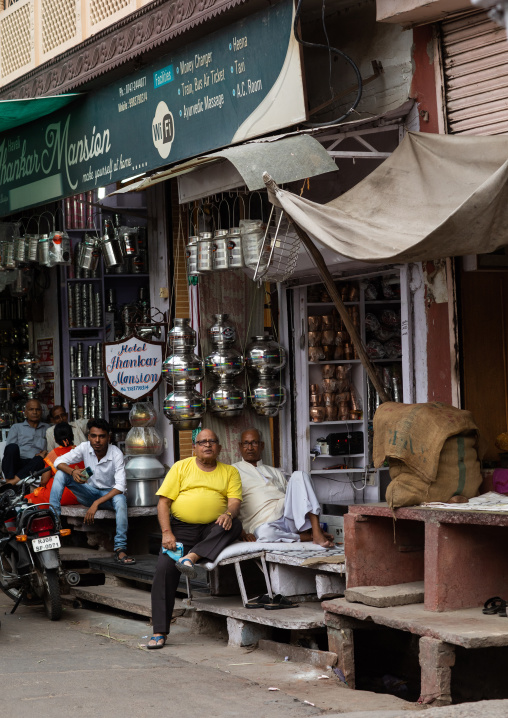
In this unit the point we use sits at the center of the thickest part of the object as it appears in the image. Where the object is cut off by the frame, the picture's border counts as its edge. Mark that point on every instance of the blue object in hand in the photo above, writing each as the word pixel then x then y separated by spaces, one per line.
pixel 175 555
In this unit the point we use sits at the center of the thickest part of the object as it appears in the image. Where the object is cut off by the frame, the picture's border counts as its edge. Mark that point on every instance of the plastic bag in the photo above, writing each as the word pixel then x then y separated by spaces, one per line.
pixel 143 414
pixel 375 349
pixel 371 322
pixel 59 249
pixel 252 234
pixel 390 318
pixel 143 440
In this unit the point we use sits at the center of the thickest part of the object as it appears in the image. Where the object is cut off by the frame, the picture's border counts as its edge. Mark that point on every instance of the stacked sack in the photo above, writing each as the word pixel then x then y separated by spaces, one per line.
pixel 431 450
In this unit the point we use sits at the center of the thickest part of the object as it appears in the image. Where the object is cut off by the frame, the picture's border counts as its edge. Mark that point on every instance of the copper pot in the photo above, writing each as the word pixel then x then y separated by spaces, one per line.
pixel 315 399
pixel 355 414
pixel 328 336
pixel 329 384
pixel 339 352
pixel 343 397
pixel 317 413
pixel 329 371
pixel 328 398
pixel 314 323
pixel 331 413
pixel 327 321
pixel 348 351
pixel 328 351
pixel 343 411
pixel 314 388
pixel 341 337
pixel 314 339
pixel 354 293
pixel 316 354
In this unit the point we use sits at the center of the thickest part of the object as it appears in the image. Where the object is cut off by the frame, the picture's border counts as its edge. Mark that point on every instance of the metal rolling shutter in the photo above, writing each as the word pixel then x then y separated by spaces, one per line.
pixel 475 59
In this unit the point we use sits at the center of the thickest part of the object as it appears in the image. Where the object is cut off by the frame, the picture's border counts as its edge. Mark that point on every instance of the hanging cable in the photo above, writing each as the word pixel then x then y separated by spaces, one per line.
pixel 330 50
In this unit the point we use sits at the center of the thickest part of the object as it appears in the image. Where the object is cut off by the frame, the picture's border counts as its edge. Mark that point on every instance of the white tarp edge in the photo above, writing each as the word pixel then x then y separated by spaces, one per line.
pixel 436 196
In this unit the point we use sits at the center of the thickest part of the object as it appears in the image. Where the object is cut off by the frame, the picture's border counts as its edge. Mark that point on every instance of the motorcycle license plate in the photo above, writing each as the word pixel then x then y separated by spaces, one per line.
pixel 43 544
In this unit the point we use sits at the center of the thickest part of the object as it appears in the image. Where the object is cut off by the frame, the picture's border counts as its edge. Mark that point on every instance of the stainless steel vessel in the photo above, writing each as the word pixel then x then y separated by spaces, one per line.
pixel 144 467
pixel 192 257
pixel 205 252
pixel 182 335
pixel 226 400
pixel 265 356
pixel 183 365
pixel 224 362
pixel 267 396
pixel 142 492
pixel 234 247
pixel 184 406
pixel 222 331
pixel 220 250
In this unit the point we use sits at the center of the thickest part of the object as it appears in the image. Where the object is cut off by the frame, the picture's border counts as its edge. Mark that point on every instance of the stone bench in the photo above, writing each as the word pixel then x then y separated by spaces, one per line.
pixel 100 533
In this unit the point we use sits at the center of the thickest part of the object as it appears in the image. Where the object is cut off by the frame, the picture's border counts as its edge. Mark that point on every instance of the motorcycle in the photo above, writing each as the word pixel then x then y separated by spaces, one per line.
pixel 30 566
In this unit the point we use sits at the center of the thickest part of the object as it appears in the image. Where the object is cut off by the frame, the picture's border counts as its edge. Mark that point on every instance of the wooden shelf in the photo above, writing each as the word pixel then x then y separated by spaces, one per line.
pixel 339 456
pixel 337 471
pixel 335 423
pixel 90 279
pixel 334 361
pixel 382 301
pixel 125 276
pixel 331 304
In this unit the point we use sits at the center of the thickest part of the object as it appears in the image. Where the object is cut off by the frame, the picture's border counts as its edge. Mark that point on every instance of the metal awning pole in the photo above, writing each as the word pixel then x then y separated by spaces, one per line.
pixel 336 299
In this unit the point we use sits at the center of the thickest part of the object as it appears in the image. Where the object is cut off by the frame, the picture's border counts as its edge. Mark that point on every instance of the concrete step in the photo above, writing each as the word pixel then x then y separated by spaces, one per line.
pixel 400 594
pixel 304 617
pixel 132 600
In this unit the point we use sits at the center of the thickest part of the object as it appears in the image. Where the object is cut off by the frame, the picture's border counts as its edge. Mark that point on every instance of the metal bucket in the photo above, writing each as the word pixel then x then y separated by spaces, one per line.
pixel 205 252
pixel 33 244
pixel 89 256
pixel 143 492
pixel 111 251
pixel 235 251
pixel 191 255
pixel 220 250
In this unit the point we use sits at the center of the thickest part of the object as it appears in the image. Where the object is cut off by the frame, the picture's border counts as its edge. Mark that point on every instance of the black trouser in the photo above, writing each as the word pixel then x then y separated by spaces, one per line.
pixel 207 540
pixel 13 465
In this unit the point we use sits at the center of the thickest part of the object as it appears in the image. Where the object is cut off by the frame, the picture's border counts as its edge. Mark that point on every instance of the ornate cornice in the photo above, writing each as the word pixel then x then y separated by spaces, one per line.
pixel 142 31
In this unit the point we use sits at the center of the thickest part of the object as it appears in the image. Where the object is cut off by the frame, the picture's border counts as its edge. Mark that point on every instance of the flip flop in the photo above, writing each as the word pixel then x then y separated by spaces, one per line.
pixel 279 601
pixel 258 602
pixel 125 560
pixel 157 645
pixel 495 605
pixel 188 571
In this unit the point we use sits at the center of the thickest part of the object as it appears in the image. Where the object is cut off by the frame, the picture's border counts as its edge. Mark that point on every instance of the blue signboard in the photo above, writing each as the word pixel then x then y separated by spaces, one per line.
pixel 240 82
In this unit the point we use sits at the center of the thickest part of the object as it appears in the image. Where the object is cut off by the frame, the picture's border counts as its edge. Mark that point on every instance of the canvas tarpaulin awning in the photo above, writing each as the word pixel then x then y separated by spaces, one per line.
pixel 436 196
pixel 14 113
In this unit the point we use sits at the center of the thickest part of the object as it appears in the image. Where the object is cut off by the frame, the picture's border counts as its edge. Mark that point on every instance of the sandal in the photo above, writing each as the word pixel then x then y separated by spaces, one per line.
pixel 259 601
pixel 188 571
pixel 495 605
pixel 157 640
pixel 279 601
pixel 125 560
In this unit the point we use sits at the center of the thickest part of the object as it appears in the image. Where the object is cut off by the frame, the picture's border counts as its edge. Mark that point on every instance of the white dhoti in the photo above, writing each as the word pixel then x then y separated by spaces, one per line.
pixel 300 501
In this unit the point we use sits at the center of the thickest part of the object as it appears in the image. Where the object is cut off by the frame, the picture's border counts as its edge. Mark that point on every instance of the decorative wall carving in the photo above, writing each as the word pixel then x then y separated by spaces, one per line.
pixel 147 28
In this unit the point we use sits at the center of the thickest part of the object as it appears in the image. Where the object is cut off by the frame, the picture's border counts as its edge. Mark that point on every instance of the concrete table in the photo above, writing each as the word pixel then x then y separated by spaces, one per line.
pixel 460 555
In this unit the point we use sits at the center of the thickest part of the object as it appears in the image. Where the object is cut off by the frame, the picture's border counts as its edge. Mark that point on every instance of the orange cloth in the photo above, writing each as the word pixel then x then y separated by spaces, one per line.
pixel 42 493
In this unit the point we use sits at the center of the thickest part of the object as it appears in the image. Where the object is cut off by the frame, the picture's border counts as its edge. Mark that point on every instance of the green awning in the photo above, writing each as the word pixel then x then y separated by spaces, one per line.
pixel 14 113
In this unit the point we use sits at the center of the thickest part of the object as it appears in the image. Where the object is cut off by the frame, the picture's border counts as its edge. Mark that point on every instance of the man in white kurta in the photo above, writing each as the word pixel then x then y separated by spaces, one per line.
pixel 274 509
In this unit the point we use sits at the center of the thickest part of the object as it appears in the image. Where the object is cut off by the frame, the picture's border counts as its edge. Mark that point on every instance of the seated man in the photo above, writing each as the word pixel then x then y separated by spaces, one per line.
pixel 272 508
pixel 198 505
pixel 26 445
pixel 65 442
pixel 104 489
pixel 57 415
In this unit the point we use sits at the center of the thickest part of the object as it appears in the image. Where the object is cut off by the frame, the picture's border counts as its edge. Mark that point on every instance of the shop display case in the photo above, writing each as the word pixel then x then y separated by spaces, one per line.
pixel 96 305
pixel 335 402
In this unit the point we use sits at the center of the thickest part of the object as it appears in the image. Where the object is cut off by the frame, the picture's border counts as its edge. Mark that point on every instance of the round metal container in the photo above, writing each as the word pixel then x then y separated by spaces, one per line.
pixel 220 250
pixel 265 355
pixel 111 251
pixel 89 256
pixel 183 366
pixel 182 335
pixel 144 467
pixel 21 249
pixel 234 247
pixel 143 492
pixel 33 244
pixel 224 362
pixel 268 396
pixel 222 331
pixel 226 400
pixel 43 250
pixel 184 407
pixel 205 252
pixel 192 257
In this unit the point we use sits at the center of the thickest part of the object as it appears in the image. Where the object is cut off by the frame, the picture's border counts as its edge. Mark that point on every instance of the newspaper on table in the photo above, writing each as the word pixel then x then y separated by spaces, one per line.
pixel 491 501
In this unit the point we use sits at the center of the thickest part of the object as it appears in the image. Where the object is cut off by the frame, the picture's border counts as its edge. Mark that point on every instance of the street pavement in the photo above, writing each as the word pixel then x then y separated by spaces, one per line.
pixel 94 663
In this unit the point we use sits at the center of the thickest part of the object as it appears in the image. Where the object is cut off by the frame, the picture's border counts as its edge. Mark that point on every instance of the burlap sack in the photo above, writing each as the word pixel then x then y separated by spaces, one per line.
pixel 415 434
pixel 458 474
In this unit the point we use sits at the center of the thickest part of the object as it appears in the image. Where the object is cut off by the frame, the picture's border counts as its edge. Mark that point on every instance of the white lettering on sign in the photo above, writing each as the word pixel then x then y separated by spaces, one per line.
pixel 133 367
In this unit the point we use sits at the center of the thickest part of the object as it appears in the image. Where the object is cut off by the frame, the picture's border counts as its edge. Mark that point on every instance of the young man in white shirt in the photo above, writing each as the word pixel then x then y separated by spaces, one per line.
pixel 104 489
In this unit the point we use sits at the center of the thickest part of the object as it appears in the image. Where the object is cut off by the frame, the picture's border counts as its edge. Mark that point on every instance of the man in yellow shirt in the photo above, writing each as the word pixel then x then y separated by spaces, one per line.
pixel 199 502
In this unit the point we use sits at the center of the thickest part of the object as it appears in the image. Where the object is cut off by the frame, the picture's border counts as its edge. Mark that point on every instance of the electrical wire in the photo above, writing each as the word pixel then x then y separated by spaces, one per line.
pixel 330 49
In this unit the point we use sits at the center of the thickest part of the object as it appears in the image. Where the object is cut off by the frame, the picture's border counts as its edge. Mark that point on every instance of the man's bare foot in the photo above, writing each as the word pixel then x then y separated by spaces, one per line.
pixel 13 481
pixel 321 539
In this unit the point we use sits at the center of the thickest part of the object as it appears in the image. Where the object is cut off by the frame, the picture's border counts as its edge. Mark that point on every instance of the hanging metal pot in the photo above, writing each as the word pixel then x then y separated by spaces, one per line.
pixel 265 356
pixel 32 248
pixel 60 248
pixel 182 335
pixel 234 247
pixel 183 365
pixel 43 250
pixel 224 362
pixel 205 252
pixel 89 255
pixel 222 331
pixel 111 249
pixel 220 250
pixel 21 249
pixel 267 396
pixel 184 407
pixel 191 255
pixel 226 400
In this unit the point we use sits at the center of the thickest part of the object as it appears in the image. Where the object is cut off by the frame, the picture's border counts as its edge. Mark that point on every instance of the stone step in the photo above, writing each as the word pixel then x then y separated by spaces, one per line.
pixel 400 594
pixel 304 617
pixel 132 600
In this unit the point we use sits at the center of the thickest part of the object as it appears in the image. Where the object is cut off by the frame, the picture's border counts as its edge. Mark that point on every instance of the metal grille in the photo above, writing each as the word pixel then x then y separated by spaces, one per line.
pixel 475 54
pixel 58 23
pixel 15 40
pixel 102 9
pixel 279 252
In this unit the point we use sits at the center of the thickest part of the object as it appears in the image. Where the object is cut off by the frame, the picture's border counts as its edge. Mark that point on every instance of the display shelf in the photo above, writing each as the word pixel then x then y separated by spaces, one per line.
pixel 338 471
pixel 334 361
pixel 126 276
pixel 90 279
pixel 85 378
pixel 388 361
pixel 336 456
pixel 82 229
pixel 119 411
pixel 331 304
pixel 382 301
pixel 86 330
pixel 335 423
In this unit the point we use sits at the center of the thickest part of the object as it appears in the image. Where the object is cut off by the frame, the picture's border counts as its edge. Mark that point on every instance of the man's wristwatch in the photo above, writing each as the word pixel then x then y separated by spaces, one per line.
pixel 228 513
